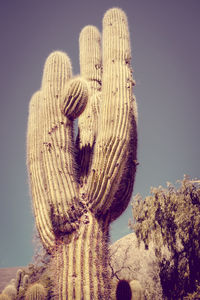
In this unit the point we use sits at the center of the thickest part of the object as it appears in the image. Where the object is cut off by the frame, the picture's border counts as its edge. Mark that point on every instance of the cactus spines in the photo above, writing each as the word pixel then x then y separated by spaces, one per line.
pixel 91 69
pixel 75 98
pixel 79 188
pixel 90 55
pixel 40 204
pixel 36 292
pixel 110 182
pixel 56 61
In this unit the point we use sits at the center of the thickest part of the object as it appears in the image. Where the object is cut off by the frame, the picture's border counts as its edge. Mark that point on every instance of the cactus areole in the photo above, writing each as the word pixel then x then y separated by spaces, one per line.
pixel 79 187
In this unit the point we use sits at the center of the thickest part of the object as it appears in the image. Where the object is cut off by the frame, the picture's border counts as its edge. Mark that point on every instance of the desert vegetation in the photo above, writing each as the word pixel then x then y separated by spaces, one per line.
pixel 170 220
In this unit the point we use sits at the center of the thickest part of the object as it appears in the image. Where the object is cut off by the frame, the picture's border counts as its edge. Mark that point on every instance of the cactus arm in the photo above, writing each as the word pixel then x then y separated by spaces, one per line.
pixel 55 160
pixel 110 182
pixel 37 177
pixel 58 147
pixel 90 56
pixel 91 70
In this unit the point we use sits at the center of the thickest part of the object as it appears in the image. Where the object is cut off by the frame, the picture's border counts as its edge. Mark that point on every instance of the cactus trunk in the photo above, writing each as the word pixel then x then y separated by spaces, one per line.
pixel 80 263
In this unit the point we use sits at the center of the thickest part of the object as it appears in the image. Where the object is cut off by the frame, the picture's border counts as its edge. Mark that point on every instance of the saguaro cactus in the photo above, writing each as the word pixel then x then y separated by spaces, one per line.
pixel 79 188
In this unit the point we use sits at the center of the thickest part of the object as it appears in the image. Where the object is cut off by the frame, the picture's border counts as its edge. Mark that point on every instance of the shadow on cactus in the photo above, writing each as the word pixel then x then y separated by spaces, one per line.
pixel 79 187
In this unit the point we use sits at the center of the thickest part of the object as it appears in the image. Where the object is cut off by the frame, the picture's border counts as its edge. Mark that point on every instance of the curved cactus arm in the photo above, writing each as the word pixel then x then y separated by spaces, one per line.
pixel 51 150
pixel 37 177
pixel 111 177
pixel 58 147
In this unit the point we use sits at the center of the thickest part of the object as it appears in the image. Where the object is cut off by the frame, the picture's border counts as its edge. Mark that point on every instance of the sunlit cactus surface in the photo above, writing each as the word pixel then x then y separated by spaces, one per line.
pixel 80 185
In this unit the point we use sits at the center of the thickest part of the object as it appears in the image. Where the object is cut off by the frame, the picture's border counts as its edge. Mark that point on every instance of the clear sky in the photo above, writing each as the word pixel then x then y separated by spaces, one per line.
pixel 165 43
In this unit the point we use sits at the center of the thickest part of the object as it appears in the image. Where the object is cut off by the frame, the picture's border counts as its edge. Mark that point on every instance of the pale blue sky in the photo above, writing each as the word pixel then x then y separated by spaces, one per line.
pixel 165 43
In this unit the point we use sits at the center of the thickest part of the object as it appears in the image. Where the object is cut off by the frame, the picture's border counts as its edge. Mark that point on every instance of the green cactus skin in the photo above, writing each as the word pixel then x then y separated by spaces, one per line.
pixel 36 292
pixel 79 188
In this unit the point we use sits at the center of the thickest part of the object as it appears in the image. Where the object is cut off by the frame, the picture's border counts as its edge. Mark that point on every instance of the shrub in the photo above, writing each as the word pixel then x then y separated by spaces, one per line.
pixel 170 218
